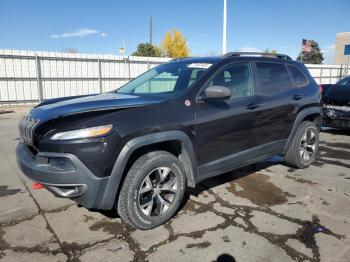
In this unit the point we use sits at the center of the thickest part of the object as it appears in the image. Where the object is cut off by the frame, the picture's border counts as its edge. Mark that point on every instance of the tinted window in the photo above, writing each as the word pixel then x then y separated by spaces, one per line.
pixel 238 78
pixel 298 77
pixel 274 78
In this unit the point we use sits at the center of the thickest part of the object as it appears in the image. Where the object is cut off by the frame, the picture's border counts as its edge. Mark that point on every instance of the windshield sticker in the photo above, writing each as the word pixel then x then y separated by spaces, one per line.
pixel 200 65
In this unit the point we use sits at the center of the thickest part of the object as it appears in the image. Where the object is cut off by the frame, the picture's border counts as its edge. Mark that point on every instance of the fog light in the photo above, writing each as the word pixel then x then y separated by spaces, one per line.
pixel 61 163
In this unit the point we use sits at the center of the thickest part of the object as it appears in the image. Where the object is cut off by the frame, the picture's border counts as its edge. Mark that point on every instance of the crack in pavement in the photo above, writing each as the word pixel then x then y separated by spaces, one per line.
pixel 39 210
pixel 305 234
pixel 122 231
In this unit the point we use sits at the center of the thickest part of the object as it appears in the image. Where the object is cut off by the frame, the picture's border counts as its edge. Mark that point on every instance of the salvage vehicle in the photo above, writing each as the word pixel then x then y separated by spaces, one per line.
pixel 342 82
pixel 336 105
pixel 137 149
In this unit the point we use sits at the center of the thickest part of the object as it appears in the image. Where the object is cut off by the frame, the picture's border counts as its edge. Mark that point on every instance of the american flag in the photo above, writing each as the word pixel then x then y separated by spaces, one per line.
pixel 306 46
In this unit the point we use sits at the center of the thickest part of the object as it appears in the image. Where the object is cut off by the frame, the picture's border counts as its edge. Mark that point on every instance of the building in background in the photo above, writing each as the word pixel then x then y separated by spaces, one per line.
pixel 342 39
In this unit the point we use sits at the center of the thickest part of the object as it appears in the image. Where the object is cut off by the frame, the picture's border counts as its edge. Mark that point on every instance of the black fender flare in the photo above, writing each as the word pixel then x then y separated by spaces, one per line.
pixel 301 116
pixel 114 184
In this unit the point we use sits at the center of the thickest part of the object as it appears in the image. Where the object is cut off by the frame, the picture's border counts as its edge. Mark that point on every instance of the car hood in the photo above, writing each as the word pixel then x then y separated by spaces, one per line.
pixel 59 107
pixel 337 95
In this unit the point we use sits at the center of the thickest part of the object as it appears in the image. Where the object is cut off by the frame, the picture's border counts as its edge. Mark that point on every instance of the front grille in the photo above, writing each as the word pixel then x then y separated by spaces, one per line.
pixel 337 123
pixel 26 129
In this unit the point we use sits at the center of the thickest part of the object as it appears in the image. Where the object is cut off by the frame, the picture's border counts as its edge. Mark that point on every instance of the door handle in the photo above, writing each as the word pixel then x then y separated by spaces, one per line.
pixel 252 106
pixel 297 97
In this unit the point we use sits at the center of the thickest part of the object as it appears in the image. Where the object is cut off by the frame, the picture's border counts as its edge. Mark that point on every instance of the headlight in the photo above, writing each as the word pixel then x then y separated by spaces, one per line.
pixel 83 133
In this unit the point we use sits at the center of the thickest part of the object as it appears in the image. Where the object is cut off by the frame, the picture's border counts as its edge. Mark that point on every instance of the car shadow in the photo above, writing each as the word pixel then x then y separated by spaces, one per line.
pixel 228 177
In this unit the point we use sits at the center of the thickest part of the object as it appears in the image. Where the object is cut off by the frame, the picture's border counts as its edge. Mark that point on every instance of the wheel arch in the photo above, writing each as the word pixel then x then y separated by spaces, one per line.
pixel 171 141
pixel 313 114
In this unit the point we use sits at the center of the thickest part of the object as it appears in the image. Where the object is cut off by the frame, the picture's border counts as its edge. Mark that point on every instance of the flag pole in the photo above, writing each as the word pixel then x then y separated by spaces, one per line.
pixel 224 47
pixel 301 54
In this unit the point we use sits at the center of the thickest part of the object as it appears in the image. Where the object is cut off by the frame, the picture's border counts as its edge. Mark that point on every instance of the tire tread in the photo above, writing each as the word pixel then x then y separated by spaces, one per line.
pixel 123 205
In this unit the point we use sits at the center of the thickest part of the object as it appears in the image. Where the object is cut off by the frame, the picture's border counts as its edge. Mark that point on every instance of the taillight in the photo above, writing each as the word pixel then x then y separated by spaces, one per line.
pixel 321 88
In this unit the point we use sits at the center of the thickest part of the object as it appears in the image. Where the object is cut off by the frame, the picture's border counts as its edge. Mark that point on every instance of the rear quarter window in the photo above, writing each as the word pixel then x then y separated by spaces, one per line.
pixel 273 77
pixel 298 77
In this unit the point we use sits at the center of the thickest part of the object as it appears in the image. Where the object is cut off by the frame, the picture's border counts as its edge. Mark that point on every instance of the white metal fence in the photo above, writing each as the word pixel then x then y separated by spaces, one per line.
pixel 29 76
pixel 328 74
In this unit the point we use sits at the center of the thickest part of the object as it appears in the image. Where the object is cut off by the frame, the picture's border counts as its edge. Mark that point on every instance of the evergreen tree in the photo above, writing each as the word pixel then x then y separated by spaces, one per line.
pixel 147 50
pixel 313 57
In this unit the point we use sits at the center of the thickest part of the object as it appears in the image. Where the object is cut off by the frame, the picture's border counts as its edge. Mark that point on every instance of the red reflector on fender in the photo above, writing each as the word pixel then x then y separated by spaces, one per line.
pixel 37 186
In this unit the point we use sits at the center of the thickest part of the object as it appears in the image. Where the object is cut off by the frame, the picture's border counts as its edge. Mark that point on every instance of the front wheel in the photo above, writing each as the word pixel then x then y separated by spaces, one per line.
pixel 303 150
pixel 152 190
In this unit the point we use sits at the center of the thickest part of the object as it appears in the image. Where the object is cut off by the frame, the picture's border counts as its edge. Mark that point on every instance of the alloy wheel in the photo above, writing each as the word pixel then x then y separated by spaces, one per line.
pixel 307 145
pixel 158 191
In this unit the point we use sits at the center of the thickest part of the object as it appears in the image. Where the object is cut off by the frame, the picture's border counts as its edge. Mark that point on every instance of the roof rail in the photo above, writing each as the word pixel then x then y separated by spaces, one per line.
pixel 232 54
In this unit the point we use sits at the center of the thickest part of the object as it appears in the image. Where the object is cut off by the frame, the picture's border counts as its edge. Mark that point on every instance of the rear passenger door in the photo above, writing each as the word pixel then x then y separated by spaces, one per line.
pixel 278 106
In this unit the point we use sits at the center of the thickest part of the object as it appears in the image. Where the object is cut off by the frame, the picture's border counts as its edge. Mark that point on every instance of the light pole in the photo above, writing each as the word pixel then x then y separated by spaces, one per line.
pixel 224 44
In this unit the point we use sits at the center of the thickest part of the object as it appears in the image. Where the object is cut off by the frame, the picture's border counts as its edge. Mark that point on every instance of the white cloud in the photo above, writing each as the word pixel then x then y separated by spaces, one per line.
pixel 79 33
pixel 249 49
pixel 103 34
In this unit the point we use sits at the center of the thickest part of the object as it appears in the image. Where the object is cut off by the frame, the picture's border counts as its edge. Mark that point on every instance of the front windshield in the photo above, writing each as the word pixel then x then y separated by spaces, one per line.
pixel 167 79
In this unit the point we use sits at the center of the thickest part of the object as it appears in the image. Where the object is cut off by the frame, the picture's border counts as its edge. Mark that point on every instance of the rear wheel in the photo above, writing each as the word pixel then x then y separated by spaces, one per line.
pixel 303 150
pixel 152 190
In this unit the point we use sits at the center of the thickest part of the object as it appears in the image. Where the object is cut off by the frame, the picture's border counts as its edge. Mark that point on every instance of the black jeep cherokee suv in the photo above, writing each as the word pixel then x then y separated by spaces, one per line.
pixel 139 147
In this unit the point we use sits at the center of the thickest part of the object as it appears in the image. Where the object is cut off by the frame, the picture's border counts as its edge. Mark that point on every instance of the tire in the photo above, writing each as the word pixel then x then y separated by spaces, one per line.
pixel 296 155
pixel 141 199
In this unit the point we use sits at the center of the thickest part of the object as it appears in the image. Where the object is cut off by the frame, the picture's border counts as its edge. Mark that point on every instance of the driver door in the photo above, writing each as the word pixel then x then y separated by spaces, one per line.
pixel 227 131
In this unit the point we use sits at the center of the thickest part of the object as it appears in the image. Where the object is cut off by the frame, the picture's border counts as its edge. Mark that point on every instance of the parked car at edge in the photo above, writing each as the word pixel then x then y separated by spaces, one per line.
pixel 137 149
pixel 336 105
pixel 342 82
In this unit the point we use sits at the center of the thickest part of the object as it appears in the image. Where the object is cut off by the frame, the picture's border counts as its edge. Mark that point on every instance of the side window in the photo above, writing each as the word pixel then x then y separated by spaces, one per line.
pixel 274 78
pixel 298 77
pixel 238 78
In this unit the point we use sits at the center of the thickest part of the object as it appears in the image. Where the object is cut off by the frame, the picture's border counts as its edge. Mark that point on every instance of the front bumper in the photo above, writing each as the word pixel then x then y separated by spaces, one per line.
pixel 64 175
pixel 336 123
pixel 336 117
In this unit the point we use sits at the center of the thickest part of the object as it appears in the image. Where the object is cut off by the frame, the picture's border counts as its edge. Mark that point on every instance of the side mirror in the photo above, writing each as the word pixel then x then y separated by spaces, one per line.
pixel 212 93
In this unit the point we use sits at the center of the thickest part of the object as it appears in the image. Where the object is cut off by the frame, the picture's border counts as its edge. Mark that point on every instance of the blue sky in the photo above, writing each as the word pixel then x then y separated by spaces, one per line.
pixel 102 26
